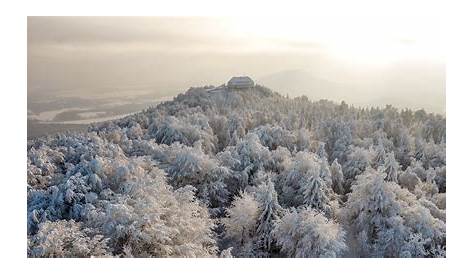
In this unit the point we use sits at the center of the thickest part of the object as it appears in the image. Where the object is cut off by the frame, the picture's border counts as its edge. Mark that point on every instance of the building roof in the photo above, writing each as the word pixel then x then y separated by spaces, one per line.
pixel 243 81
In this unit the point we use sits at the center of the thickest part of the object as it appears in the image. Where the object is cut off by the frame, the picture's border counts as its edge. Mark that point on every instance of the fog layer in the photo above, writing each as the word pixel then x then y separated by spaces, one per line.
pixel 364 62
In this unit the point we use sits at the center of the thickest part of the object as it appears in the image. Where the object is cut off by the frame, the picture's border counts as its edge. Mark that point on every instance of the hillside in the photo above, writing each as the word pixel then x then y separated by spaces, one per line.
pixel 242 173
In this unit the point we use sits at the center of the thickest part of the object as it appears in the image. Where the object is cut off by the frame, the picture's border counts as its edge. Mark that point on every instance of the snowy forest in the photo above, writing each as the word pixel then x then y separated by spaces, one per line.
pixel 221 172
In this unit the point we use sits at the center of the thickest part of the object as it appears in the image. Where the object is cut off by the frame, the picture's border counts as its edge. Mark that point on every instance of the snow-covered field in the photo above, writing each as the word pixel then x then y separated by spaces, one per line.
pixel 47 122
pixel 84 116
pixel 48 116
pixel 242 173
pixel 91 119
pixel 92 114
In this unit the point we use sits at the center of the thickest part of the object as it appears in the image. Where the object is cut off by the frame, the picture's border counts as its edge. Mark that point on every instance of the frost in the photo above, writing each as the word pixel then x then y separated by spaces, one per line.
pixel 308 234
pixel 242 173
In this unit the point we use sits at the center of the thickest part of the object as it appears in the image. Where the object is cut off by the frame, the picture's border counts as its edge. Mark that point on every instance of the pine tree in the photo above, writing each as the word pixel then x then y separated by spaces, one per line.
pixel 391 168
pixel 382 222
pixel 270 212
pixel 337 177
pixel 309 234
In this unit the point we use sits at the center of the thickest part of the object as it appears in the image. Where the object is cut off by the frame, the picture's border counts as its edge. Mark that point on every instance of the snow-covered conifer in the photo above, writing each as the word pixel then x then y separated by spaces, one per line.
pixel 384 217
pixel 270 212
pixel 337 177
pixel 391 168
pixel 309 234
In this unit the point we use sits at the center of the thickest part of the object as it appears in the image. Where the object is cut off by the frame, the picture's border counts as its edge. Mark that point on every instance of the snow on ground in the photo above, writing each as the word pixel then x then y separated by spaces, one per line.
pixel 46 116
pixel 92 114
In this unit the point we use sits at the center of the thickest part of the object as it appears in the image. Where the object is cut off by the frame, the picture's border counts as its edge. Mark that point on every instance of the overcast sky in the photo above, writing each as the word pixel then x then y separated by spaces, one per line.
pixel 371 58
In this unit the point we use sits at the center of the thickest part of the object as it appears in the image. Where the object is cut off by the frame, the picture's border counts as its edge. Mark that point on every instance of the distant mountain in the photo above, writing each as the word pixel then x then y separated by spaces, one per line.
pixel 301 82
pixel 403 86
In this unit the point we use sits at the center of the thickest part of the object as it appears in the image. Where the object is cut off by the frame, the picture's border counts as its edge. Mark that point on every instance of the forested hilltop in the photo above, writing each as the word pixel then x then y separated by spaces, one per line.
pixel 242 173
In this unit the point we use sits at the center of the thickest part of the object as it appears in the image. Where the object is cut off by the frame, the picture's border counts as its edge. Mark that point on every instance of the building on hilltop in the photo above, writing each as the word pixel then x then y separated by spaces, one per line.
pixel 241 82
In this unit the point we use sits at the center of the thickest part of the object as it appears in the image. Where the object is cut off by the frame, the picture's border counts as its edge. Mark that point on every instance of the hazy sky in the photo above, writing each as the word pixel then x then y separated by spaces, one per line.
pixel 365 60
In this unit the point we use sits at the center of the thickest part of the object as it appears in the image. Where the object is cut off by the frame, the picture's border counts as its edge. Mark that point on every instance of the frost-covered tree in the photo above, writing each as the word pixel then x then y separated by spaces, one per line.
pixel 66 239
pixel 191 166
pixel 308 182
pixel 430 176
pixel 133 207
pixel 241 222
pixel 440 178
pixel 408 179
pixel 379 158
pixel 246 159
pixel 434 155
pixel 270 212
pixel 317 190
pixel 304 140
pixel 151 220
pixel 338 138
pixel 281 159
pixel 309 234
pixel 273 137
pixel 186 131
pixel 226 253
pixel 403 143
pixel 419 153
pixel 357 161
pixel 391 168
pixel 418 169
pixel 337 177
pixel 383 219
pixel 156 183
pixel 322 154
pixel 250 220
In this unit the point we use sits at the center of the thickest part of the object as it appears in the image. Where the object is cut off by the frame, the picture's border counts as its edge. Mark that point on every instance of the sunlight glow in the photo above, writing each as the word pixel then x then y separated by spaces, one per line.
pixel 368 41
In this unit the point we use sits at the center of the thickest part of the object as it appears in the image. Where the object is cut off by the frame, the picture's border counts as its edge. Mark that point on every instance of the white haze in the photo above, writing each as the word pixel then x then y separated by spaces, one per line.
pixel 367 62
